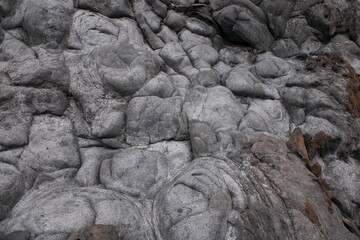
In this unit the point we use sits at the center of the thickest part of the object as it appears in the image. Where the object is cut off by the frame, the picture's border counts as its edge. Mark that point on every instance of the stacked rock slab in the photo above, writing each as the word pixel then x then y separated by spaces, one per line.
pixel 179 119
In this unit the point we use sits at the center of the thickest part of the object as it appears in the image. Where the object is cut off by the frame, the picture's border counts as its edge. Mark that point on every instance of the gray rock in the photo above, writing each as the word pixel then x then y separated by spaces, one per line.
pixel 11 156
pixel 293 97
pixel 124 68
pixel 91 157
pixel 50 72
pixel 181 84
pixel 111 114
pixel 277 13
pixel 354 22
pixel 13 50
pixel 159 86
pixel 311 45
pixel 285 48
pixel 228 205
pixel 52 146
pixel 269 66
pixel 18 235
pixel 12 188
pixel 32 100
pixel 18 106
pixel 177 153
pixel 298 30
pixel 302 6
pixel 148 22
pixel 152 119
pixel 243 83
pixel 203 140
pixel 297 115
pixel 244 24
pixel 75 115
pixel 65 208
pixel 199 27
pixel 175 21
pixel 159 7
pixel 313 125
pixel 207 77
pixel 44 21
pixel 312 99
pixel 90 29
pixel 14 128
pixel 203 56
pixel 191 40
pixel 113 70
pixel 152 20
pixel 266 116
pixel 192 196
pixel 176 58
pixel 167 35
pixel 223 69
pixel 109 122
pixel 304 81
pixel 134 171
pixel 7 6
pixel 333 174
pixel 346 48
pixel 215 107
pixel 235 55
pixel 52 236
pixel 96 232
pixel 110 8
pixel 318 17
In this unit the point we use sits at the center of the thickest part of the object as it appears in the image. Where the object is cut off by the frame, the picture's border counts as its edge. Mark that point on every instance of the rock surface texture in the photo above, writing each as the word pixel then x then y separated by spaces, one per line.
pixel 179 119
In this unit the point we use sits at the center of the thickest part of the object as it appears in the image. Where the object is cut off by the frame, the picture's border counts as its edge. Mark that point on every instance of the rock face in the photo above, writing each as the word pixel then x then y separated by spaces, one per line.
pixel 179 119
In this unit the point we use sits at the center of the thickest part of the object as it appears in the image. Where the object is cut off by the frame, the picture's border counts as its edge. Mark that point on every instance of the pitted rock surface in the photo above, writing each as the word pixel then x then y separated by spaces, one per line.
pixel 179 119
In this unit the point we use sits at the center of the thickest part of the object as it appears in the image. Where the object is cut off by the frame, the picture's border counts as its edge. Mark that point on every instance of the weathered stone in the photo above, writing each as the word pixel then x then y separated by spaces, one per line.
pixel 14 128
pixel 152 119
pixel 89 30
pixel 44 21
pixel 203 56
pixel 269 66
pixel 199 27
pixel 160 86
pixel 285 48
pixel 112 69
pixel 167 35
pixel 96 232
pixel 243 83
pixel 110 121
pixel 12 188
pixel 64 208
pixel 216 107
pixel 134 171
pixel 266 116
pixel 244 24
pixel 203 140
pixel 50 72
pixel 18 235
pixel 175 57
pixel 13 50
pixel 110 8
pixel 170 119
pixel 52 146
pixel 91 159
pixel 175 21
pixel 207 77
